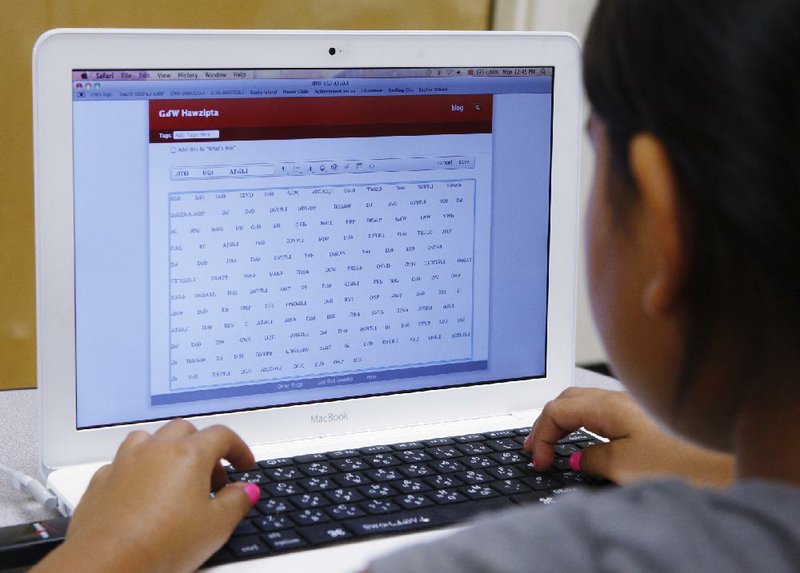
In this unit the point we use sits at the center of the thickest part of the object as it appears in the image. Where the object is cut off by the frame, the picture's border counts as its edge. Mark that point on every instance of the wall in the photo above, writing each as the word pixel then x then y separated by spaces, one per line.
pixel 21 22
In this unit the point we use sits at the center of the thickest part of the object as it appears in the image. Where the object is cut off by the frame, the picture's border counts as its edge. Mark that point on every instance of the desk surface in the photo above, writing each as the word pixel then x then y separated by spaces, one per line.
pixel 19 445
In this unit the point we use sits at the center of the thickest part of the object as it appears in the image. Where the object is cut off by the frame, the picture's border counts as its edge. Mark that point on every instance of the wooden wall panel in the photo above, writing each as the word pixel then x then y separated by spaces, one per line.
pixel 21 22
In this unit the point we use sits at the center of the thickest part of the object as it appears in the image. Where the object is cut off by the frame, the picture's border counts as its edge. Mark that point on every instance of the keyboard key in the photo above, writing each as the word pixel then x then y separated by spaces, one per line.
pixel 247 546
pixel 565 450
pixel 572 478
pixel 418 519
pixel 248 477
pixel 445 452
pixel 316 469
pixel 477 462
pixel 415 470
pixel 350 479
pixel 510 457
pixel 369 450
pixel 478 491
pixel 383 475
pixel 443 481
pixel 445 496
pixel 540 482
pixel 377 490
pixel 412 501
pixel 576 436
pixel 344 495
pixel 561 464
pixel 587 444
pixel 542 497
pixel 379 506
pixel 382 460
pixel 282 488
pixel 412 456
pixel 474 449
pixel 308 458
pixel 274 522
pixel 283 540
pixel 274 463
pixel 522 432
pixel 503 445
pixel 344 511
pixel 435 442
pixel 350 464
pixel 408 446
pixel 308 500
pixel 315 484
pixel 283 473
pixel 499 434
pixel 339 454
pixel 469 438
pixel 474 476
pixel 274 505
pixel 321 534
pixel 310 517
pixel 505 472
pixel 447 466
pixel 510 486
pixel 410 486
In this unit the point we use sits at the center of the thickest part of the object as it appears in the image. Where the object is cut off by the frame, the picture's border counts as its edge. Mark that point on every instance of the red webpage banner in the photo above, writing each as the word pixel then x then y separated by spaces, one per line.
pixel 186 120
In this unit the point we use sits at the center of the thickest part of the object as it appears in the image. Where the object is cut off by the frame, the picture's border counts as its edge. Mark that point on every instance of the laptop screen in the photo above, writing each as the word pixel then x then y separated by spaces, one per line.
pixel 246 239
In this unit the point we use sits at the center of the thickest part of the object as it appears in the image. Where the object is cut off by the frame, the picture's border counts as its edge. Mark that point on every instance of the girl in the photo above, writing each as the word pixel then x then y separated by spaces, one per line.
pixel 694 265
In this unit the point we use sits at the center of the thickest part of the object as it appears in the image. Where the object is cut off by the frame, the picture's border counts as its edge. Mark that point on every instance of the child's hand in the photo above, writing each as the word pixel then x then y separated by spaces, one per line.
pixel 638 449
pixel 150 510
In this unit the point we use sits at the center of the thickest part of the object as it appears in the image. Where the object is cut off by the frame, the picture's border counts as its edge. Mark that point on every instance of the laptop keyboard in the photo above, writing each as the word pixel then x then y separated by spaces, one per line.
pixel 319 499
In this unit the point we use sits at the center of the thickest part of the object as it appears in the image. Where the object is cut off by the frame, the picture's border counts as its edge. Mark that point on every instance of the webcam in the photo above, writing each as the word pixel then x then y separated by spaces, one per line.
pixel 332 51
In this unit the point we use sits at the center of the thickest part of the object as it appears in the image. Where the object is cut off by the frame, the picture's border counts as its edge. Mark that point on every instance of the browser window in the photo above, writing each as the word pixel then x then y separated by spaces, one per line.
pixel 253 238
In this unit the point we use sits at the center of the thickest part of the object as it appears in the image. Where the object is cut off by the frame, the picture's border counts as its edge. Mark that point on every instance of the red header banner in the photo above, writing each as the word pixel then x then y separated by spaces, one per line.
pixel 299 118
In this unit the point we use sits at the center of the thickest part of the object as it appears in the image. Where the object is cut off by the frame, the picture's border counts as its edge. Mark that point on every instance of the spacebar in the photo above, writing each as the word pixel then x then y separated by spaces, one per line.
pixel 423 518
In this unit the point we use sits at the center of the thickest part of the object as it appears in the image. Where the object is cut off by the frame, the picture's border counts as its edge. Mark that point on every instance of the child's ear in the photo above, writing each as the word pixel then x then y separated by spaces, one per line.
pixel 659 227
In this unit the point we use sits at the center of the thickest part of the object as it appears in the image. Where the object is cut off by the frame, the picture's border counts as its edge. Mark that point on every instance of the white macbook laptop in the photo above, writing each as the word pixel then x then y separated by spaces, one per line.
pixel 322 240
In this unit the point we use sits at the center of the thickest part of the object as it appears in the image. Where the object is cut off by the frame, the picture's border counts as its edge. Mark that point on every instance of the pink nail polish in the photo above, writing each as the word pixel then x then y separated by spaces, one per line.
pixel 253 492
pixel 575 461
pixel 533 463
pixel 527 441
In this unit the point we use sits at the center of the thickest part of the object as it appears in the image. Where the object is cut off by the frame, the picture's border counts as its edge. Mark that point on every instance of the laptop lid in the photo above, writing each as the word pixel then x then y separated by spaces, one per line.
pixel 300 233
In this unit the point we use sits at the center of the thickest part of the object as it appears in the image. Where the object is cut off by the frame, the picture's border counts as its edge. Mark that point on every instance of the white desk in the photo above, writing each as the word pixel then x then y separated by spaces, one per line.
pixel 19 445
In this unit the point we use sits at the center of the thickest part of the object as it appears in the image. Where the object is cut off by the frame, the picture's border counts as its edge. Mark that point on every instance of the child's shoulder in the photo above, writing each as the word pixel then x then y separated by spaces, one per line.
pixel 664 525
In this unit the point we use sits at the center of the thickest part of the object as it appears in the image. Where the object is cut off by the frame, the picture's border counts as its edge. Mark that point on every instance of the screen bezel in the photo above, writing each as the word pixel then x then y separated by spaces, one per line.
pixel 59 52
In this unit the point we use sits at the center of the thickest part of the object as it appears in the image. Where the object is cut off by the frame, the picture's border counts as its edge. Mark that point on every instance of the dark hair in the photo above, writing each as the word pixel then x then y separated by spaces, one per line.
pixel 718 82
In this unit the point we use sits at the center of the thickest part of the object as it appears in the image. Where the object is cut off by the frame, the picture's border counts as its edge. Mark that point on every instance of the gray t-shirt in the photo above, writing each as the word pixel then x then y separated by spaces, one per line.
pixel 654 526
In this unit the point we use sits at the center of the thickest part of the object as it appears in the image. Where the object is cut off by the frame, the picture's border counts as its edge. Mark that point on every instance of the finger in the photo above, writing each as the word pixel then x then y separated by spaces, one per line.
pixel 571 392
pixel 221 442
pixel 592 410
pixel 595 460
pixel 131 441
pixel 233 502
pixel 176 428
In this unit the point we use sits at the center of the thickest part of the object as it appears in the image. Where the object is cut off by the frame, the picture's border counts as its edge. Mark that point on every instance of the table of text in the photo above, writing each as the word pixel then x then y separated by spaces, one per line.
pixel 304 282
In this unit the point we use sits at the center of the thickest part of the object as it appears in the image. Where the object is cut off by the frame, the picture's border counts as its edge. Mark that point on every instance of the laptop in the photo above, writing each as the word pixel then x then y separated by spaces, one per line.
pixel 324 240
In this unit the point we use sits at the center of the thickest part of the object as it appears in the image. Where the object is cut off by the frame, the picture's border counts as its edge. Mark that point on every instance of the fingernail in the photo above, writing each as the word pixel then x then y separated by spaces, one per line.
pixel 253 492
pixel 533 463
pixel 575 461
pixel 527 441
